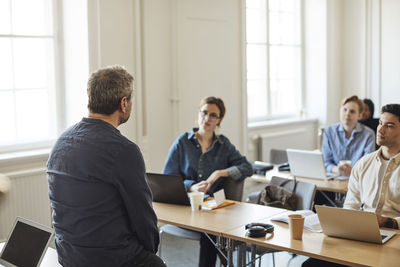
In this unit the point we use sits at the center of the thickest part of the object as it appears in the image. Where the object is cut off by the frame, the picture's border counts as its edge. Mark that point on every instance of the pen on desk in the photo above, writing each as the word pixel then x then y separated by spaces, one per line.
pixel 362 206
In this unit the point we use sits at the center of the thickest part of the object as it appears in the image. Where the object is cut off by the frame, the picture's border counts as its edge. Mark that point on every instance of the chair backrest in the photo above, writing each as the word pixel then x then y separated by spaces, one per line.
pixel 277 156
pixel 305 192
pixel 233 189
pixel 320 137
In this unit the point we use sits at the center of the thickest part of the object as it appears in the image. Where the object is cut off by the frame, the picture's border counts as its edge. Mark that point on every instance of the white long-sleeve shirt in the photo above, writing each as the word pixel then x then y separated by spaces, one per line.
pixel 375 189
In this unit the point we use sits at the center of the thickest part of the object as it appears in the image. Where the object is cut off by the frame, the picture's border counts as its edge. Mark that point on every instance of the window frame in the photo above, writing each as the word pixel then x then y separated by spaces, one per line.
pixel 58 93
pixel 268 116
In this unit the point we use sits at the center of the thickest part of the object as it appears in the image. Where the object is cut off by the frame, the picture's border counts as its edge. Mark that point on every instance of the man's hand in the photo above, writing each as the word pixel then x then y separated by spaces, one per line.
pixel 344 169
pixel 200 187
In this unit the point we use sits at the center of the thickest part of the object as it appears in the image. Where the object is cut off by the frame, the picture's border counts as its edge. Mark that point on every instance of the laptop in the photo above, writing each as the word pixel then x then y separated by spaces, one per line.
pixel 352 224
pixel 168 189
pixel 26 244
pixel 306 163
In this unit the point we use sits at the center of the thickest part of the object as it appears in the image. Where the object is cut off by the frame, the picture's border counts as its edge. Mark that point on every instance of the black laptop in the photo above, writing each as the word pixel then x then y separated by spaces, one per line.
pixel 26 244
pixel 168 189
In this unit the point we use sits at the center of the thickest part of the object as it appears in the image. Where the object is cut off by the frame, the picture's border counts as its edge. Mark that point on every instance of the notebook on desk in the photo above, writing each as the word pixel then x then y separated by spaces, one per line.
pixel 309 164
pixel 26 244
pixel 352 224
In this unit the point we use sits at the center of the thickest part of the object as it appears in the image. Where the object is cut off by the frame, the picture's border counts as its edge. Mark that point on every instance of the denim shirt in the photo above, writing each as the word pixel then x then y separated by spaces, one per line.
pixel 336 147
pixel 186 159
pixel 102 204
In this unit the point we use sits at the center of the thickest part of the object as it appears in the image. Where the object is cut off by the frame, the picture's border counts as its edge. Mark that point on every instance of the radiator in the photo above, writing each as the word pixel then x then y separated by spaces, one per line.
pixel 28 198
pixel 299 138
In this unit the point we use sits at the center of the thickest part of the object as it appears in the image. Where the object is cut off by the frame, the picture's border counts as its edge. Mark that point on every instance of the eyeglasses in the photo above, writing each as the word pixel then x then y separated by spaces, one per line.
pixel 211 116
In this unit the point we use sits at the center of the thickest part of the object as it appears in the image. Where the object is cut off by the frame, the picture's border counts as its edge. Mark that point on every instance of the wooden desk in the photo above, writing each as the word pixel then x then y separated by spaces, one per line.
pixel 216 221
pixel 229 223
pixel 317 245
pixel 332 185
pixel 50 259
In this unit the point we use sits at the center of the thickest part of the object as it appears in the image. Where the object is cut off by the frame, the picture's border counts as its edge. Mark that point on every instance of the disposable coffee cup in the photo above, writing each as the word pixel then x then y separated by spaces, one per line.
pixel 296 223
pixel 196 200
pixel 344 162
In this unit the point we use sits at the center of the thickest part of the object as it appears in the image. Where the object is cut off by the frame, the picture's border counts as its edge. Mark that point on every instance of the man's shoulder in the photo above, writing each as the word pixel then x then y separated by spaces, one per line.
pixel 332 129
pixel 367 159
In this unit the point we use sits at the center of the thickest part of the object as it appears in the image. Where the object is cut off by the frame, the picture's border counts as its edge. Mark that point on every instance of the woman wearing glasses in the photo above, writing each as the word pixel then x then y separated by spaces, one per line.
pixel 204 159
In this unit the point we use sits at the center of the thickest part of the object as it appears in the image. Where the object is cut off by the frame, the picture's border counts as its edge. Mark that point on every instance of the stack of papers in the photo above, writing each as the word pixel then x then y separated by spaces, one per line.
pixel 311 220
pixel 212 204
pixel 219 201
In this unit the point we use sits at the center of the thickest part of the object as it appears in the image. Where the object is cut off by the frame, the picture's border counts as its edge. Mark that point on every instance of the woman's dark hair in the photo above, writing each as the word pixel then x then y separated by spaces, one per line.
pixel 216 101
pixel 371 106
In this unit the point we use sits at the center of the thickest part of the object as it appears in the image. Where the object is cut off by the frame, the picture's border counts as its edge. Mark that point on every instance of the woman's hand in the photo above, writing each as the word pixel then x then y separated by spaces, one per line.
pixel 199 187
pixel 215 176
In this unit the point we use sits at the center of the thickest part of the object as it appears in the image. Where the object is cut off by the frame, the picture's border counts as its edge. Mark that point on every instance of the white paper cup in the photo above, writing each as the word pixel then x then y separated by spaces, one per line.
pixel 196 200
pixel 344 162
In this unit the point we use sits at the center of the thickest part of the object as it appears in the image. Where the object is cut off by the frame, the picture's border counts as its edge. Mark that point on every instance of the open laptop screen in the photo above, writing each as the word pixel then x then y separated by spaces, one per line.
pixel 25 245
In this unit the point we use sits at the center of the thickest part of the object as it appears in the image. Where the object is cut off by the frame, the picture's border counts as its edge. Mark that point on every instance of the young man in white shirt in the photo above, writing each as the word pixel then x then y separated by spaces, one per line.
pixel 374 182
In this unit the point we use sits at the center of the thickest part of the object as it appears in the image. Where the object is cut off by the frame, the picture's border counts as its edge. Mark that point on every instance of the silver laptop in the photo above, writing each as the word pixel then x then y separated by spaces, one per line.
pixel 26 244
pixel 352 224
pixel 306 163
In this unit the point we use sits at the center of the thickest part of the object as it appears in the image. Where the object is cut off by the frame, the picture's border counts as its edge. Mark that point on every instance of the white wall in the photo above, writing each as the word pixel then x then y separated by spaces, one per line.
pixel 371 50
pixel 390 30
pixel 183 50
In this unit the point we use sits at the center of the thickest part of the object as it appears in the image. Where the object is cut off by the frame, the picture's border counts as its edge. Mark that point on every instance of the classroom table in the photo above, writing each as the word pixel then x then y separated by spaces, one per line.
pixel 332 185
pixel 215 222
pixel 320 246
pixel 229 223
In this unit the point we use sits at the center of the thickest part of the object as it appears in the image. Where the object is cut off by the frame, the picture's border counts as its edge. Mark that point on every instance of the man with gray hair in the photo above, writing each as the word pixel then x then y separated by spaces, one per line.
pixel 102 204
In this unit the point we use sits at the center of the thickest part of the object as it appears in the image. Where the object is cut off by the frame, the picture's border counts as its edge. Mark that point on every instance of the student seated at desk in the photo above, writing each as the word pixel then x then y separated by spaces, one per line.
pixel 202 157
pixel 374 183
pixel 367 115
pixel 348 139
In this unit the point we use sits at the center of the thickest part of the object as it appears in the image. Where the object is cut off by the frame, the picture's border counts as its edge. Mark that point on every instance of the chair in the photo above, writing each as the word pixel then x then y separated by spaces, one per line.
pixel 277 156
pixel 305 193
pixel 233 190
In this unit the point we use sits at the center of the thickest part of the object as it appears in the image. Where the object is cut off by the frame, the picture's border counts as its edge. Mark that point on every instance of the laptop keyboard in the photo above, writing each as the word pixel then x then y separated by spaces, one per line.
pixel 383 236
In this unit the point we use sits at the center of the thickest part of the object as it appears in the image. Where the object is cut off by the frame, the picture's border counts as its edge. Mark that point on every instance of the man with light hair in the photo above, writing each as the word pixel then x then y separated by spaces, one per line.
pixel 102 204
pixel 347 140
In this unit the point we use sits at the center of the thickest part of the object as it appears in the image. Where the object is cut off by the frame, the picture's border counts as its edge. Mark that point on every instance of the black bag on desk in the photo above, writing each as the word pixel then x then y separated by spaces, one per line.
pixel 279 197
pixel 261 167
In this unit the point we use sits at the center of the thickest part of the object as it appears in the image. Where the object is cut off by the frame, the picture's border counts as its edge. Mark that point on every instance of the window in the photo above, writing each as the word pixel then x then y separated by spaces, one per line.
pixel 35 105
pixel 27 83
pixel 274 56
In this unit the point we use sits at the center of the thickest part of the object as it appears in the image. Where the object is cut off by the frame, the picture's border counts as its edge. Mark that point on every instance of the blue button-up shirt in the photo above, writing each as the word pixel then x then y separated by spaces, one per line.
pixel 186 159
pixel 336 147
pixel 102 204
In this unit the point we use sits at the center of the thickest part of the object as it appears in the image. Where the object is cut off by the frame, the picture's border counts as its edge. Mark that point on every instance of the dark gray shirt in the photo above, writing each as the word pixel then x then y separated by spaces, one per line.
pixel 102 204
